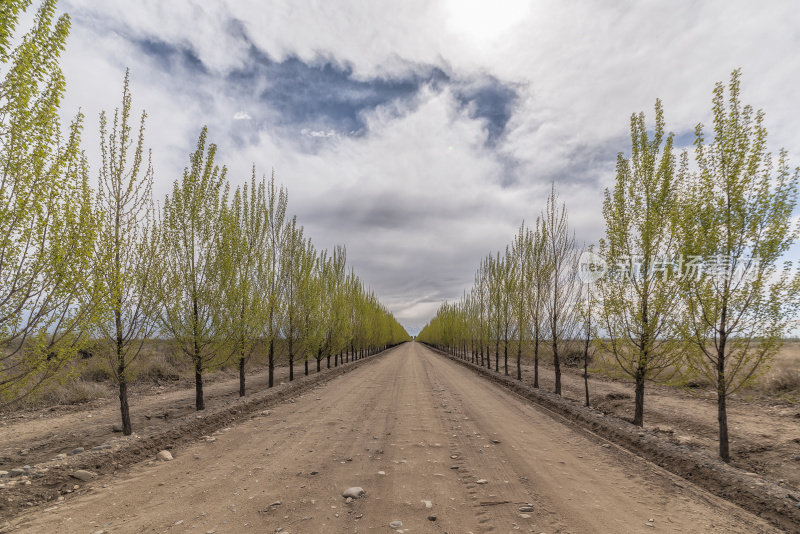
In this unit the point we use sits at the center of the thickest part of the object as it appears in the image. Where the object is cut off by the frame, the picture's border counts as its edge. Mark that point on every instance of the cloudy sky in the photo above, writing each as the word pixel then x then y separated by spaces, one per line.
pixel 421 133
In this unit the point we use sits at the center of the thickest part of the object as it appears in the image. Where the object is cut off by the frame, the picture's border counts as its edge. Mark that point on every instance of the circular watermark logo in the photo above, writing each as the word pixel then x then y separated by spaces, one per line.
pixel 591 267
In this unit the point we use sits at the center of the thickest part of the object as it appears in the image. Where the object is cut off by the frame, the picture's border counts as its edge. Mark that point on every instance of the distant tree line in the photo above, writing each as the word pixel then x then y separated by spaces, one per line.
pixel 690 273
pixel 216 271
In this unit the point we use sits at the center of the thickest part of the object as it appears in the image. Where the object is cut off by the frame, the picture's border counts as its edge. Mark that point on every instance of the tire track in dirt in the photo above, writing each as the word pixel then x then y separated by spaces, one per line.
pixel 570 474
pixel 755 494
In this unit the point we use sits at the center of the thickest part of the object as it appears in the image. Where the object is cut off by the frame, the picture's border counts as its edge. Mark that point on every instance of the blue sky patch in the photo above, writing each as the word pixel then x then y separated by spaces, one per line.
pixel 323 97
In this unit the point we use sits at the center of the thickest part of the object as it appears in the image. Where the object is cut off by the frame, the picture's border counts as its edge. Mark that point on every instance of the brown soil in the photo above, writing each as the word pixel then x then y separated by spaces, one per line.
pixel 764 435
pixel 435 429
pixel 35 436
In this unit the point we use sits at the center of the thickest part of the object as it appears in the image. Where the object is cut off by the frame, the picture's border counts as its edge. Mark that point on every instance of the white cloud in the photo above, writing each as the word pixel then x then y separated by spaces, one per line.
pixel 417 196
pixel 241 116
pixel 317 133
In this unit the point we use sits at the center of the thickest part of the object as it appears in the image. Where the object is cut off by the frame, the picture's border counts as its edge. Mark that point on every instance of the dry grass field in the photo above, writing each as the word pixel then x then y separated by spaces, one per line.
pixel 780 380
pixel 160 366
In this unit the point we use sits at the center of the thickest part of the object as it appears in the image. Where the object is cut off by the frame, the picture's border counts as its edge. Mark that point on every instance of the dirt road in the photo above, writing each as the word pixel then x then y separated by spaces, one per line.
pixel 408 428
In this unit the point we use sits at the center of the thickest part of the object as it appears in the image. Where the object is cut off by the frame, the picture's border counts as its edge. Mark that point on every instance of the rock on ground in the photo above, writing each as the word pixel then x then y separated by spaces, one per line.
pixel 355 492
pixel 82 474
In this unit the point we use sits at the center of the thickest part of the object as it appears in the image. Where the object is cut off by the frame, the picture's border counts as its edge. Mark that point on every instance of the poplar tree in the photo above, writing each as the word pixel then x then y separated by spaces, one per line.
pixel 334 288
pixel 482 305
pixel 308 301
pixel 561 258
pixel 47 220
pixel 495 288
pixel 243 241
pixel 521 254
pixel 639 312
pixel 345 320
pixel 354 294
pixel 588 309
pixel 507 285
pixel 292 268
pixel 539 273
pixel 736 218
pixel 472 321
pixel 126 248
pixel 270 275
pixel 318 335
pixel 9 16
pixel 194 271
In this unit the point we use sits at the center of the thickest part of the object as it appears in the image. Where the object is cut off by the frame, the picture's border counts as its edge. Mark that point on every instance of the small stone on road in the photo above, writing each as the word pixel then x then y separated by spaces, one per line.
pixel 355 492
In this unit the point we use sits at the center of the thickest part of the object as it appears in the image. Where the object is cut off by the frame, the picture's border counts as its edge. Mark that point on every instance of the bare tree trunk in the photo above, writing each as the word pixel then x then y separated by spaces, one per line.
pixel 586 367
pixel 306 366
pixel 505 355
pixel 556 366
pixel 198 382
pixel 271 360
pixel 497 355
pixel 722 409
pixel 125 412
pixel 198 362
pixel 638 414
pixel 123 406
pixel 519 359
pixel 641 368
pixel 536 358
pixel 241 377
pixel 291 358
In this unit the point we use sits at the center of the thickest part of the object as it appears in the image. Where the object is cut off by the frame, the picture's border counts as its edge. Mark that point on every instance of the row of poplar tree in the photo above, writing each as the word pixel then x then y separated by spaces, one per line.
pixel 690 275
pixel 220 273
